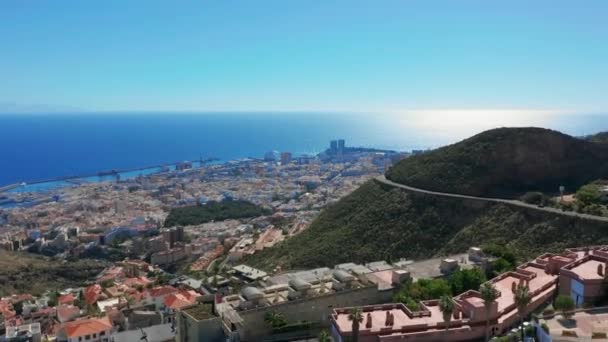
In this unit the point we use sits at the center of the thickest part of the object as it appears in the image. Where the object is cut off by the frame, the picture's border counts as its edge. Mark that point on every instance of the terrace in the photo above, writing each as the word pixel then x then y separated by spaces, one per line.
pixel 200 312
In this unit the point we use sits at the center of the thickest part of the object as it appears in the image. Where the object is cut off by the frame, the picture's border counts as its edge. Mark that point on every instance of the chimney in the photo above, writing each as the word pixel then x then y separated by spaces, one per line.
pixel 600 270
pixel 387 320
pixel 368 324
pixel 513 287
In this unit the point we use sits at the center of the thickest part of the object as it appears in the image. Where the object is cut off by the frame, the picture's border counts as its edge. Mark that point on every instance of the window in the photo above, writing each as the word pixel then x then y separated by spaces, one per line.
pixel 103 333
pixel 87 337
pixel 94 335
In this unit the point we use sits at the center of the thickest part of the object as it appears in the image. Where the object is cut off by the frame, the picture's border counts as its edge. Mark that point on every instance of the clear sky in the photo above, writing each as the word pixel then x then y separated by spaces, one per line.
pixel 305 55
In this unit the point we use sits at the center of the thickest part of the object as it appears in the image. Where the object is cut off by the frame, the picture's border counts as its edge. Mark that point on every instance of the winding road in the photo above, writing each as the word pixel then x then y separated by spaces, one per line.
pixel 382 179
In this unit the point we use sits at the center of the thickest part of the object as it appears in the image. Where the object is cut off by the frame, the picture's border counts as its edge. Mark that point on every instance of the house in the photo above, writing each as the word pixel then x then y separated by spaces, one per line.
pixel 66 313
pixel 67 299
pixel 26 332
pixel 181 299
pixel 157 295
pixel 92 294
pixel 90 329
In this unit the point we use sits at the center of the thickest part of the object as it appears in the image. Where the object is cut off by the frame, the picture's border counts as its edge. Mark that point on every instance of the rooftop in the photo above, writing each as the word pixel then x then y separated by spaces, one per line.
pixel 200 312
pixel 588 269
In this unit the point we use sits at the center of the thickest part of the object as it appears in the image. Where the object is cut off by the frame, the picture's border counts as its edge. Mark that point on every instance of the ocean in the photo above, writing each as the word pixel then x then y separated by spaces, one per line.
pixel 42 146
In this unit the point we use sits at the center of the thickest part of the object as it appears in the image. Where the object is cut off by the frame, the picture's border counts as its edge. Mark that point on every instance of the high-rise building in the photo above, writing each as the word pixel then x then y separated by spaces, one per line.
pixel 333 146
pixel 341 144
pixel 285 158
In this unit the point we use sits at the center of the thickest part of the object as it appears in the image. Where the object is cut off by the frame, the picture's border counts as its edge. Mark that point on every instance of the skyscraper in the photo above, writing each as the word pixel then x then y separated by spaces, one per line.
pixel 333 146
pixel 341 144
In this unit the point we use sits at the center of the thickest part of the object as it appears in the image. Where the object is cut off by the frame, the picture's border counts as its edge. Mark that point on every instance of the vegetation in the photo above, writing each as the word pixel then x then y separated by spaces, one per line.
pixel 522 299
pixel 275 320
pixel 601 138
pixel 506 259
pixel 589 194
pixel 379 222
pixel 411 293
pixel 324 336
pixel 488 294
pixel 200 311
pixel 355 316
pixel 565 304
pixel 447 307
pixel 213 211
pixel 506 162
pixel 464 280
pixel 28 273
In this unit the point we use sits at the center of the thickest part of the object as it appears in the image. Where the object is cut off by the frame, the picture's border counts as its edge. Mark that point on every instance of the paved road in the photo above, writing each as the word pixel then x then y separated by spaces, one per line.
pixel 383 180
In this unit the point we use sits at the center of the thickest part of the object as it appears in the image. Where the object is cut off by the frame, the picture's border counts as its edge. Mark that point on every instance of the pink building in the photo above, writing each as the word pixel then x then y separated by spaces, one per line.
pixel 579 272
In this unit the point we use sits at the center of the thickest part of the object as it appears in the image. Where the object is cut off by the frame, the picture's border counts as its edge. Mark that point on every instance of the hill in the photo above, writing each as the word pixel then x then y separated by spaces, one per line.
pixel 382 222
pixel 213 211
pixel 28 273
pixel 601 138
pixel 506 162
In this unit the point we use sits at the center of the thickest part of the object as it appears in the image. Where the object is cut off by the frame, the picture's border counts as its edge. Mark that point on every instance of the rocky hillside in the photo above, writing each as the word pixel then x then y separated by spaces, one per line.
pixel 506 162
pixel 381 222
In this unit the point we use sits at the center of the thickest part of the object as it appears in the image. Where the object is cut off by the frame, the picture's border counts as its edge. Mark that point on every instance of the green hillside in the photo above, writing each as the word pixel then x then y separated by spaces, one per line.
pixel 506 162
pixel 29 273
pixel 380 222
pixel 213 211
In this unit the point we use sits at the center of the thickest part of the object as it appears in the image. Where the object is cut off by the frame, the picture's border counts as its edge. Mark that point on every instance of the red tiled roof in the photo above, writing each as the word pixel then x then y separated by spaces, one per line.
pixel 66 299
pixel 162 291
pixel 92 293
pixel 65 312
pixel 181 299
pixel 87 326
pixel 138 281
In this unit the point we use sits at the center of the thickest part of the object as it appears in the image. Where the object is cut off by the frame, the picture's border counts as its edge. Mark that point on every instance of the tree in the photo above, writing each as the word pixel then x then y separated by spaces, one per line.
pixel 565 304
pixel 275 319
pixel 489 295
pixel 522 300
pixel 589 194
pixel 18 307
pixel 356 316
pixel 53 298
pixel 464 280
pixel 446 305
pixel 324 336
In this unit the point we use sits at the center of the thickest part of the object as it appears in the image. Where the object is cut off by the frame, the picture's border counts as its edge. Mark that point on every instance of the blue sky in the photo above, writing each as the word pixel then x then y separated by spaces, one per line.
pixel 304 55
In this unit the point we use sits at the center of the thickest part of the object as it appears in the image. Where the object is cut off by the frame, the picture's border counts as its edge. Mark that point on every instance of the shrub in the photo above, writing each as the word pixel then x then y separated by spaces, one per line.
pixel 569 333
pixel 464 280
pixel 533 197
pixel 549 310
pixel 565 304
pixel 598 335
pixel 411 304
pixel 589 194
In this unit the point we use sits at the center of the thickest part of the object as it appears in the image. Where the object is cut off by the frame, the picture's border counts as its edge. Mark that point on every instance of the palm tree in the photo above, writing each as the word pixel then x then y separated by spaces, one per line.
pixel 324 336
pixel 489 295
pixel 446 305
pixel 522 300
pixel 356 316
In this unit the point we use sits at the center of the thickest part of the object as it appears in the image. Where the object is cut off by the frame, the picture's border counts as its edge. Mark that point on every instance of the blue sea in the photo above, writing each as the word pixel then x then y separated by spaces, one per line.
pixel 43 146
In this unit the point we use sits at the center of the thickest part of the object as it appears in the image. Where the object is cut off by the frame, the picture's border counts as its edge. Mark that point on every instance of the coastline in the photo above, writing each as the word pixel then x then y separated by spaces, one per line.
pixel 128 173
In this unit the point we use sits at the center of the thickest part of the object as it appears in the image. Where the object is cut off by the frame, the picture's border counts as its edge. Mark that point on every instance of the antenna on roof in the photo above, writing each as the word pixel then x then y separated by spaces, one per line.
pixel 144 336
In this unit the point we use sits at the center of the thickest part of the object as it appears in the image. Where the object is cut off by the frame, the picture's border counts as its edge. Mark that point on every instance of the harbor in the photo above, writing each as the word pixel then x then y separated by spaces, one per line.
pixel 102 176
